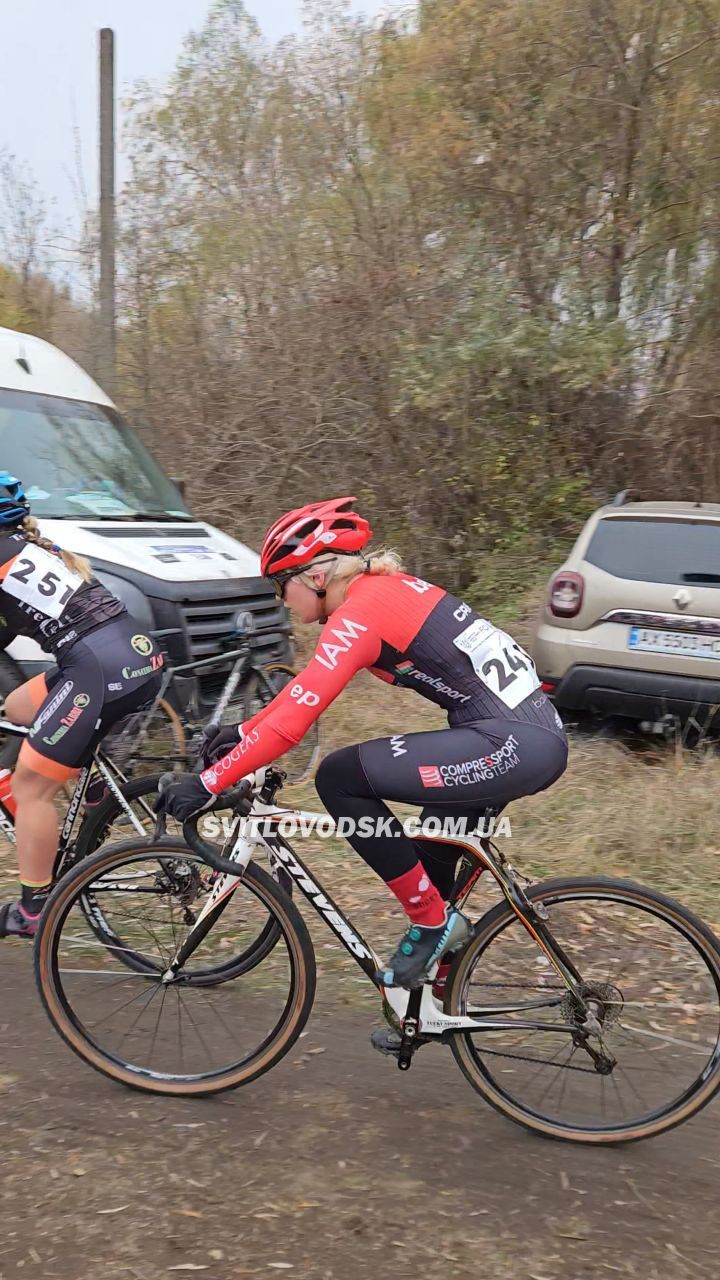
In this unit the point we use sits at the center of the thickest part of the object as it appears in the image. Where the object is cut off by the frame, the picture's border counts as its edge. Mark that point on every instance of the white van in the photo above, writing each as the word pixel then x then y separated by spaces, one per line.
pixel 97 491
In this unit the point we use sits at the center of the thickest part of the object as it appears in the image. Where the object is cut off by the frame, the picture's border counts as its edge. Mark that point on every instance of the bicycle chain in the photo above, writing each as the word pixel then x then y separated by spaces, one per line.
pixel 544 1062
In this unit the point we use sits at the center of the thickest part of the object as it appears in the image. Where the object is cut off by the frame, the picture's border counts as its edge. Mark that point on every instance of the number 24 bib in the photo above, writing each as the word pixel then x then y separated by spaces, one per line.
pixel 41 581
pixel 507 670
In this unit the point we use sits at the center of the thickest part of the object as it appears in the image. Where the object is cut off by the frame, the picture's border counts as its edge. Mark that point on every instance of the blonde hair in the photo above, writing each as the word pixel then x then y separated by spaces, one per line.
pixel 76 564
pixel 342 568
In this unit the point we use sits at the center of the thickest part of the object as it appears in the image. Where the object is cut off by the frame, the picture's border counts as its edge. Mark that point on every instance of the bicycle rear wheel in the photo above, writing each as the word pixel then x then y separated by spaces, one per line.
pixel 176 1036
pixel 651 975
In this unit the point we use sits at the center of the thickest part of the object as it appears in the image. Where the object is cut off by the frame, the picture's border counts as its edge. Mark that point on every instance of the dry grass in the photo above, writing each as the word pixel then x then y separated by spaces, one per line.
pixel 651 816
pixel 654 817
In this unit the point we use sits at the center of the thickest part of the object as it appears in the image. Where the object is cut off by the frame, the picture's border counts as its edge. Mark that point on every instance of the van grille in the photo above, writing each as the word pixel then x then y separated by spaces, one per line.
pixel 208 622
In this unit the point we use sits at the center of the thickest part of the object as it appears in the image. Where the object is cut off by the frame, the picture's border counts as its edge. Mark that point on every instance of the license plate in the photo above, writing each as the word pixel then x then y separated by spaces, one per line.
pixel 683 643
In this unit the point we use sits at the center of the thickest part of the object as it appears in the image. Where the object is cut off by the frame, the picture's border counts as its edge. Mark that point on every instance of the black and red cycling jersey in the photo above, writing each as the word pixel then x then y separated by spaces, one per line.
pixel 44 600
pixel 409 633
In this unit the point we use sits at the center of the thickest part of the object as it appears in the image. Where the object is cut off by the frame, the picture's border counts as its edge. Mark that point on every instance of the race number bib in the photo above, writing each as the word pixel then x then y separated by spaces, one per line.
pixel 40 580
pixel 507 670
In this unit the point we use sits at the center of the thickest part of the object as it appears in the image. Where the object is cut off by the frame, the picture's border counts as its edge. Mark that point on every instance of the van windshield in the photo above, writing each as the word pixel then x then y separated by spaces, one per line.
pixel 79 460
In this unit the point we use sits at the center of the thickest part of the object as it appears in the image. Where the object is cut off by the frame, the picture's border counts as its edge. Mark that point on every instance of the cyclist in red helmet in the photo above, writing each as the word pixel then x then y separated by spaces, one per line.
pixel 503 739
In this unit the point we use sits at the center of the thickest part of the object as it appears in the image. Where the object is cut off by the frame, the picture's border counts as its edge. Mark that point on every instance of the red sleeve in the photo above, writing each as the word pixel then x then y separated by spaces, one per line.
pixel 349 641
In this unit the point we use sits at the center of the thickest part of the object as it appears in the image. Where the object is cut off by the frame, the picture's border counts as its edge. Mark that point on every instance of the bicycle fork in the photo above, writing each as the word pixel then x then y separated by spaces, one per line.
pixel 214 906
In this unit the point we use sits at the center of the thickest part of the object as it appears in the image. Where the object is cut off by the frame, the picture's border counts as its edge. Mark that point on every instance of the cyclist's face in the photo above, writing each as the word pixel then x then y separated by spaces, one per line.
pixel 303 602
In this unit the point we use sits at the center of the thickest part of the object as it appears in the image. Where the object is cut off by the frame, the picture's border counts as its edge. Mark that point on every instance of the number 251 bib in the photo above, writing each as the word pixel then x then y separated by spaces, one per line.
pixel 40 580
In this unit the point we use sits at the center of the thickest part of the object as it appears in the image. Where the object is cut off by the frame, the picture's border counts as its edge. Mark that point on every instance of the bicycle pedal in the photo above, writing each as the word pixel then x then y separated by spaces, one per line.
pixel 390 1043
pixel 386 1041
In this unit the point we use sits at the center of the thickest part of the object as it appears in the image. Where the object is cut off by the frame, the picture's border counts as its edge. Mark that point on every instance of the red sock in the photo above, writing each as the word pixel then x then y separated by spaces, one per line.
pixel 419 897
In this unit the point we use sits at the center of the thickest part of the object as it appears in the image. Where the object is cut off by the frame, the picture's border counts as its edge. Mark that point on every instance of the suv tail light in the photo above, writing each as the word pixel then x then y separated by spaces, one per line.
pixel 566 594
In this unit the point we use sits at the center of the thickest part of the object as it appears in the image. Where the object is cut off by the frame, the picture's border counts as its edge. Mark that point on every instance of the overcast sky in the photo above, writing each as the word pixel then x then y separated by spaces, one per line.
pixel 48 75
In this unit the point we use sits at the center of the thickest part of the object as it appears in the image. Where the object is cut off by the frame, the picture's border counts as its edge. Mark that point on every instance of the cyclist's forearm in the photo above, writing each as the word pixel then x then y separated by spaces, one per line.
pixel 257 719
pixel 257 748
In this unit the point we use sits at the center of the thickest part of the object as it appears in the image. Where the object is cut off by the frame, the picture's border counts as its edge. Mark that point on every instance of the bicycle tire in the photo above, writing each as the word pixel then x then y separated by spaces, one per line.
pixel 165 720
pixel 563 889
pixel 274 1046
pixel 93 833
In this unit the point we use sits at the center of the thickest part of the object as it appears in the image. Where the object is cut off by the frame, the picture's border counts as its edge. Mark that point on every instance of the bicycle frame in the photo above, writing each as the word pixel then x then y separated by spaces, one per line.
pixel 111 774
pixel 242 664
pixel 420 1003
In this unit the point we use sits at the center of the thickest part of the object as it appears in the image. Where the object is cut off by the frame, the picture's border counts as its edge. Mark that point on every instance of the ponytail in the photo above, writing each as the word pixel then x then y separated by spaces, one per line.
pixel 76 564
pixel 344 567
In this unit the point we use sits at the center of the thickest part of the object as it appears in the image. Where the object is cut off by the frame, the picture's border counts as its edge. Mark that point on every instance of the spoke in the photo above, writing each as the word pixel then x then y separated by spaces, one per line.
pixel 180 1015
pixel 668 1039
pixel 100 946
pixel 199 1034
pixel 641 1100
pixel 157 1024
pixel 209 1003
pixel 618 1095
pixel 561 1066
pixel 127 1003
pixel 140 1012
pixel 122 974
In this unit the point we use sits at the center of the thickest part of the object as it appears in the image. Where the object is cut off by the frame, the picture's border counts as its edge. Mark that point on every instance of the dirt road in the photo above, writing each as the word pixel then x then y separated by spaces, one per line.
pixel 334 1166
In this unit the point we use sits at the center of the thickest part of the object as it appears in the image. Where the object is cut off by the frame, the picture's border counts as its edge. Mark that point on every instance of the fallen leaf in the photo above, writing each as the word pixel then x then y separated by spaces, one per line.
pixel 260 1138
pixel 118 1210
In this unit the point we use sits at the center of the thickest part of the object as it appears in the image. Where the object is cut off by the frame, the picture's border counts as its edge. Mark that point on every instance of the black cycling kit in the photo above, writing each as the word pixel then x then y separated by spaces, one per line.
pixel 504 738
pixel 106 667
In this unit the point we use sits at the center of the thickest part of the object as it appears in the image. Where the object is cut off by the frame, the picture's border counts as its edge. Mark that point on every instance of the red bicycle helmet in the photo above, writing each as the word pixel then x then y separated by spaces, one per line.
pixel 300 536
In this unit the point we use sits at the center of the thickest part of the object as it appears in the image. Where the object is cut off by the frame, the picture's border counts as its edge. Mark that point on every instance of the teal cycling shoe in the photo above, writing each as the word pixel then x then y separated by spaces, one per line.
pixel 421 947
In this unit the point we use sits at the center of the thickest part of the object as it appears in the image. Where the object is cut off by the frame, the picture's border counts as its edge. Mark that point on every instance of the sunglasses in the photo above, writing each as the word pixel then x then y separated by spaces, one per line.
pixel 280 581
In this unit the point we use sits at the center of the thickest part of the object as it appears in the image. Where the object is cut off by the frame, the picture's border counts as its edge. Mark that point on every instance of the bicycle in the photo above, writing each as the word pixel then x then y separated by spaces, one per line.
pixel 130 802
pixel 177 704
pixel 626 1038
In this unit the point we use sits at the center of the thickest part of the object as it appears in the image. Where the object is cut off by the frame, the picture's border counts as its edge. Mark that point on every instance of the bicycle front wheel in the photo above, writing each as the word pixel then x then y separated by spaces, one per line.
pixel 651 980
pixel 109 822
pixel 149 1028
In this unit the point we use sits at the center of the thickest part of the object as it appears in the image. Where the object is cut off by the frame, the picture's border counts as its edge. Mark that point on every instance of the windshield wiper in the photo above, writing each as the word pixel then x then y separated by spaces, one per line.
pixel 700 577
pixel 153 515
pixel 156 516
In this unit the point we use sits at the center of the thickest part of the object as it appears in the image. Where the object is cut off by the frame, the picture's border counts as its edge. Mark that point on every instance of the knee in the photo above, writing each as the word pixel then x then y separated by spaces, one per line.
pixel 29 786
pixel 16 707
pixel 337 772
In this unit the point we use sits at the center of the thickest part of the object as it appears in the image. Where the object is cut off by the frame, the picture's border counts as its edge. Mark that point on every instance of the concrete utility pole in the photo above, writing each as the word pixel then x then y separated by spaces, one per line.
pixel 106 345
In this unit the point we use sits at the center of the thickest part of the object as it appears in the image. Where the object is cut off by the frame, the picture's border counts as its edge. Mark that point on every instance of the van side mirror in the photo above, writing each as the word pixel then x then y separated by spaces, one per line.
pixel 179 485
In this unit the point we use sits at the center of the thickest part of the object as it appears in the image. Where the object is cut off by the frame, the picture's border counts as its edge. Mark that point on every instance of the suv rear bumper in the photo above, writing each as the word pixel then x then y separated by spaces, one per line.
pixel 639 695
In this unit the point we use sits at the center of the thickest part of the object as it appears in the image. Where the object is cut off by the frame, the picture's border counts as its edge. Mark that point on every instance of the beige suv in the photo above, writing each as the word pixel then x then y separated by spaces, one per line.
pixel 631 623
